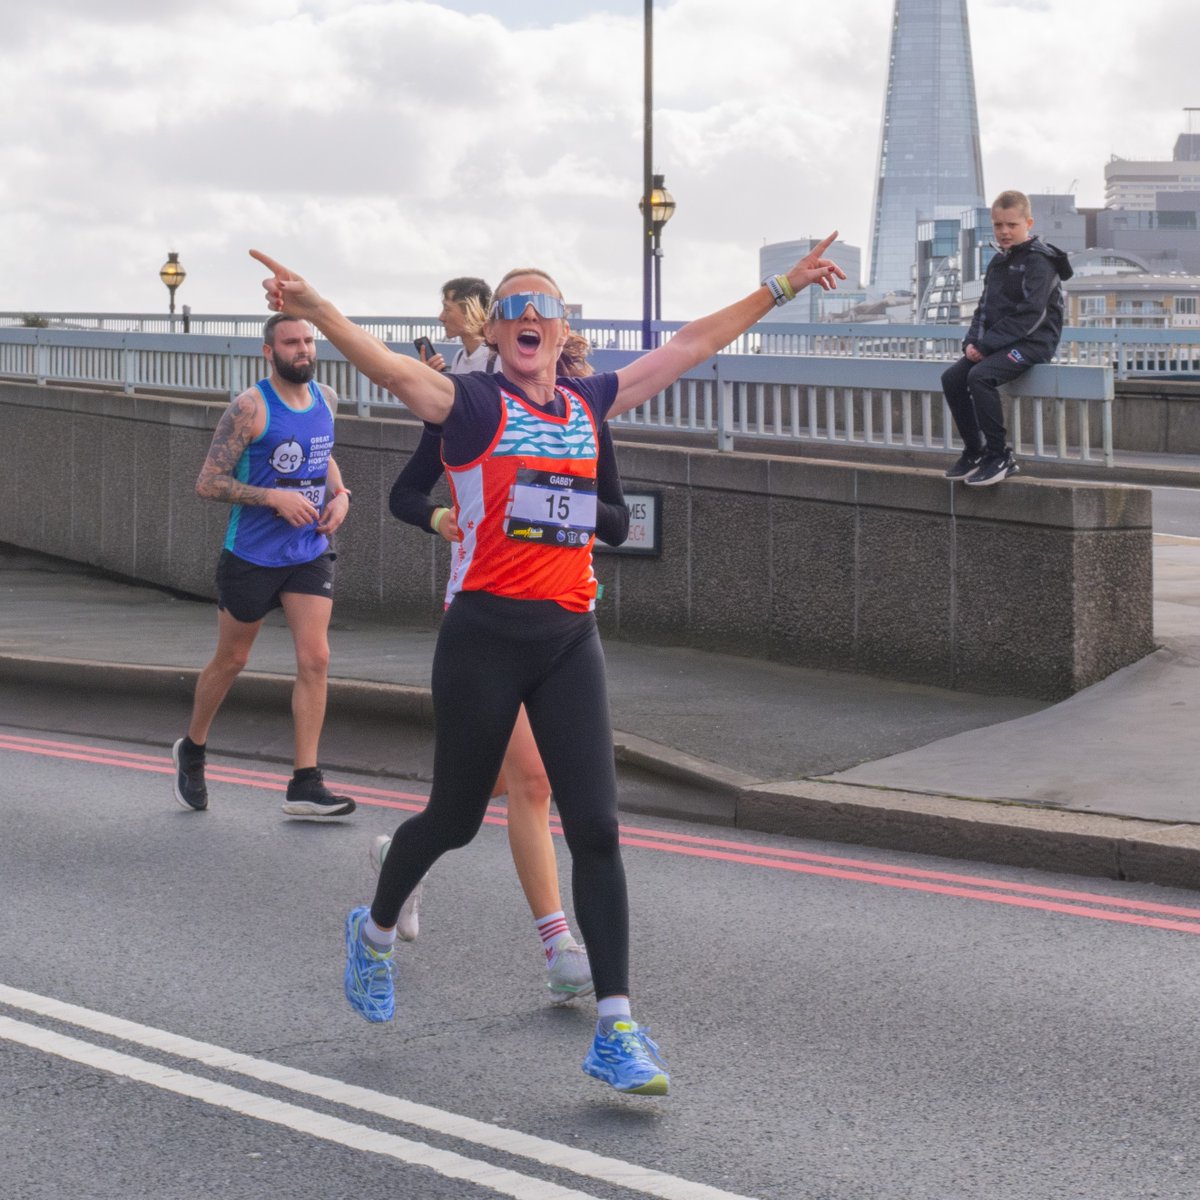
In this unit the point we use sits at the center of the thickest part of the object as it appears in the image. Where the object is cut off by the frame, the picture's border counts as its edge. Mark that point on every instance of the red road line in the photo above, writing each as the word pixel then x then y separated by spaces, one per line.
pixel 693 846
pixel 916 872
pixel 935 889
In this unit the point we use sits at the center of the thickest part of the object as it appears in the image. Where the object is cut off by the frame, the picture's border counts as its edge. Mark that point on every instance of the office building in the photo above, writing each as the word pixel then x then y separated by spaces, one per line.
pixel 814 303
pixel 1142 185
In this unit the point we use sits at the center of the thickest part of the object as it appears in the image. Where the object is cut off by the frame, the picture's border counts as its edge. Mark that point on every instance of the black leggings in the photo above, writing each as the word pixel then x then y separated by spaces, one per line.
pixel 493 655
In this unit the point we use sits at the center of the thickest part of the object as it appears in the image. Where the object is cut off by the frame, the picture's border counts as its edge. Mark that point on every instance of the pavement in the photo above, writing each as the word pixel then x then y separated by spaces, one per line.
pixel 1101 784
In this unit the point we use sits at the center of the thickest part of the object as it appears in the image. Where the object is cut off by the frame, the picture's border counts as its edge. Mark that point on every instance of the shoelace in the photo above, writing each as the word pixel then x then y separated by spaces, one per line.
pixel 639 1043
pixel 378 971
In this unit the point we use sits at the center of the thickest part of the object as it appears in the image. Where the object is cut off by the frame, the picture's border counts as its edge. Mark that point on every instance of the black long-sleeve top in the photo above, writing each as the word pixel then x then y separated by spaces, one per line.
pixel 409 499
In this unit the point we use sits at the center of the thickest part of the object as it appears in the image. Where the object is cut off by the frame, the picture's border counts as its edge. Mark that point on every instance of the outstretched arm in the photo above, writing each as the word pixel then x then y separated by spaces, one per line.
pixel 428 394
pixel 702 338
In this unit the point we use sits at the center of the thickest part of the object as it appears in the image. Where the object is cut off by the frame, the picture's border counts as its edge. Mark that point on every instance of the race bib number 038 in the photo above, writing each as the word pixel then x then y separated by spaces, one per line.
pixel 313 490
pixel 551 509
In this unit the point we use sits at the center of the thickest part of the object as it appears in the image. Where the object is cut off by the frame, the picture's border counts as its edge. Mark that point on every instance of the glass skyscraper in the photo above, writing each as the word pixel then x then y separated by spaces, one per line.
pixel 929 158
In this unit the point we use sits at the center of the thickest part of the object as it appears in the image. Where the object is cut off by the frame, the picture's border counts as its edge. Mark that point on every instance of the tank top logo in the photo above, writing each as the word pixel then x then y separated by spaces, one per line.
pixel 287 458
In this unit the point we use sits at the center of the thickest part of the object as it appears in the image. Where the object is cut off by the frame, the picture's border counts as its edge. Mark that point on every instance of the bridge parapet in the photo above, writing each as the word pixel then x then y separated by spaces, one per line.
pixel 1032 588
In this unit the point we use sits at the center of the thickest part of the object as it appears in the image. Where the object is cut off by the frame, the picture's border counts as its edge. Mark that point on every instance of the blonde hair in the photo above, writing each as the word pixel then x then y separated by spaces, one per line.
pixel 572 358
pixel 472 297
pixel 1012 199
pixel 530 271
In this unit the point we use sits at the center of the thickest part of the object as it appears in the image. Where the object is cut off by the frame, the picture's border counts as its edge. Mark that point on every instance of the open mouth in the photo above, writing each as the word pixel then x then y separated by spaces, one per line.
pixel 529 339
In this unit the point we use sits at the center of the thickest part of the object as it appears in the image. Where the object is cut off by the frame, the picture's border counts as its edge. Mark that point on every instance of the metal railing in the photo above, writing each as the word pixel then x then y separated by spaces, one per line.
pixel 1061 412
pixel 1130 352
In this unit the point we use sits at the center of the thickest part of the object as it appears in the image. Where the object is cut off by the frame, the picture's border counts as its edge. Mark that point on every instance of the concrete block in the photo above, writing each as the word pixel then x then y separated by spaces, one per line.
pixel 1113 602
pixel 150 496
pixel 48 458
pixel 1014 624
pixel 812 479
pixel 811 618
pixel 730 557
pixel 84 502
pixel 656 593
pixel 903 587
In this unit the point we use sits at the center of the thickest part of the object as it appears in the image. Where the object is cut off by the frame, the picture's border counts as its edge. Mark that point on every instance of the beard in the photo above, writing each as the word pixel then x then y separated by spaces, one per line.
pixel 295 374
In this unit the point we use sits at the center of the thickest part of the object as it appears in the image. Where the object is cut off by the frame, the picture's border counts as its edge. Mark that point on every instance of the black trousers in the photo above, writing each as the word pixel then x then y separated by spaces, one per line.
pixel 972 391
pixel 493 655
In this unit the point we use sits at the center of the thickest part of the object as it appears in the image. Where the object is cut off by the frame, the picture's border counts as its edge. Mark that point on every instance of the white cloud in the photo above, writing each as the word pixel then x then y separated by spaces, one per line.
pixel 382 146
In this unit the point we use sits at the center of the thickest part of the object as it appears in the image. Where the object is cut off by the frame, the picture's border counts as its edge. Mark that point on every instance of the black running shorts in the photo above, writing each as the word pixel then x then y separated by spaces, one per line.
pixel 248 592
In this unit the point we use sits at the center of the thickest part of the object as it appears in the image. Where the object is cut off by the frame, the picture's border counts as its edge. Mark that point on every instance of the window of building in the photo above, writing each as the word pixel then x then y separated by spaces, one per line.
pixel 1185 305
pixel 1090 306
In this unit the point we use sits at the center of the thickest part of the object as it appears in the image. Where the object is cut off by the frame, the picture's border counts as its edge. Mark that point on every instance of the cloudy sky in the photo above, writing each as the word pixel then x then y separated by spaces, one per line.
pixel 381 146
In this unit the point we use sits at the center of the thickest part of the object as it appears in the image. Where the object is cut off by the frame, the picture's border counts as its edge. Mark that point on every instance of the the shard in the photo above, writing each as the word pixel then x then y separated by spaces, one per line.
pixel 929 158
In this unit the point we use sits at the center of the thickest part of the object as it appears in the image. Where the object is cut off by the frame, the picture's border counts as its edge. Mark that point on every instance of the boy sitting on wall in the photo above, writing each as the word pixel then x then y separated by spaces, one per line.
pixel 1017 323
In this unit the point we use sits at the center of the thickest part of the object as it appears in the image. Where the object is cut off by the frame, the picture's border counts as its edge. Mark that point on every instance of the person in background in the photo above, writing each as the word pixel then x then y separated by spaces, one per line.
pixel 464 310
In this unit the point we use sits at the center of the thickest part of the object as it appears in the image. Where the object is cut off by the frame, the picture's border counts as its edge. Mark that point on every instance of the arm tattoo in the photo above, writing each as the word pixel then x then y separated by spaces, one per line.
pixel 234 433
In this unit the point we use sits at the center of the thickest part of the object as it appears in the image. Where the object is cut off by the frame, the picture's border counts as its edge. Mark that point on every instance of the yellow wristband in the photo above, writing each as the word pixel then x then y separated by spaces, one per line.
pixel 439 514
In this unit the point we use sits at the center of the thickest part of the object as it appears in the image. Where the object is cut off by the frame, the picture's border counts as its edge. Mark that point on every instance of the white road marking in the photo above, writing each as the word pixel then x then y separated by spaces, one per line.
pixel 290 1116
pixel 509 1141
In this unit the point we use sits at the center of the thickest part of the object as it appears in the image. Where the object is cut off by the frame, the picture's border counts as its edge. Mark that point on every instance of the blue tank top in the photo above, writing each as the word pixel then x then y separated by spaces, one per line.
pixel 291 452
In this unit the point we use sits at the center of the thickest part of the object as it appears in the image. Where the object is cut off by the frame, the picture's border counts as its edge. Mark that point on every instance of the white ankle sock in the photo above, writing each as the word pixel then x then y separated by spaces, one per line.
pixel 612 1009
pixel 382 938
pixel 553 929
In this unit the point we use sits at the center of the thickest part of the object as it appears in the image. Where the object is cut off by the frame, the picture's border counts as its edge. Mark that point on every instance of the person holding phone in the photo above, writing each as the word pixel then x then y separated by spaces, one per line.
pixel 523 775
pixel 521 446
pixel 464 310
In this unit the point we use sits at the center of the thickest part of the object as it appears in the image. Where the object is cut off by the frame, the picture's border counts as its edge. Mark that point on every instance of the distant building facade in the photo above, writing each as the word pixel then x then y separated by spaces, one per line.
pixel 1112 290
pixel 814 303
pixel 1139 184
pixel 929 153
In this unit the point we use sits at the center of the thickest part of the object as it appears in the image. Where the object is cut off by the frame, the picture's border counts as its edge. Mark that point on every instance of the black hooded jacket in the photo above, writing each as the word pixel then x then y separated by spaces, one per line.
pixel 1022 301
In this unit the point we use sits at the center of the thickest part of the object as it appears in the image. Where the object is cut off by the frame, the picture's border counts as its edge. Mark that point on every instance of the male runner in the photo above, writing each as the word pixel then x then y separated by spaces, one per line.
pixel 271 458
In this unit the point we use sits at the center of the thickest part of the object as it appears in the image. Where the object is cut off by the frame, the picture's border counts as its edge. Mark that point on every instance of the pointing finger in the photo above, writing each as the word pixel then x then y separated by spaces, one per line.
pixel 276 269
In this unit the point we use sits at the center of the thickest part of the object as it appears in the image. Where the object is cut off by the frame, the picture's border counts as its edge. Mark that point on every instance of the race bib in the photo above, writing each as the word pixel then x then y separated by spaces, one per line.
pixel 313 490
pixel 551 509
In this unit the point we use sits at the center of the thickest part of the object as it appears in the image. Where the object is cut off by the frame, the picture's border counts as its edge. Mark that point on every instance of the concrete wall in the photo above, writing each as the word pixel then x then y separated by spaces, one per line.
pixel 1030 588
pixel 1157 416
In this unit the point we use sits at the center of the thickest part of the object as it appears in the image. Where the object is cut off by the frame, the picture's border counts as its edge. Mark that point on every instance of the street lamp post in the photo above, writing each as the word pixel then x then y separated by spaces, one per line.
pixel 647 167
pixel 172 274
pixel 662 209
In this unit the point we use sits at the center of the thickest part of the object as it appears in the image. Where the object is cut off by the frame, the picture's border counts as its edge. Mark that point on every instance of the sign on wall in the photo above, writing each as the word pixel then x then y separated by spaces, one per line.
pixel 645 526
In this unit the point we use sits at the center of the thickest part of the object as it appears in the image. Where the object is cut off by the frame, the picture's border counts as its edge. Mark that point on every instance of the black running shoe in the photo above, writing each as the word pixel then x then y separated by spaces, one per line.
pixel 994 469
pixel 309 797
pixel 190 789
pixel 968 461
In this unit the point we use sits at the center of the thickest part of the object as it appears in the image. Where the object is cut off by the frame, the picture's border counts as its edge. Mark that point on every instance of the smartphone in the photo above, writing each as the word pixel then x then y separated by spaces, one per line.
pixel 424 344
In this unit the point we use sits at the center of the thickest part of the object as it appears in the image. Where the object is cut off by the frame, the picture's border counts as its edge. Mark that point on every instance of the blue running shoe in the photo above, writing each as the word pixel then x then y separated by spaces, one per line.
pixel 369 986
pixel 629 1060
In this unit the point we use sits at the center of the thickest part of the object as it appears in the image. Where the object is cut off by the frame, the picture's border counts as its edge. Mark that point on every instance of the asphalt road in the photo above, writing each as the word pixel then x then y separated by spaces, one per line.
pixel 1177 511
pixel 840 1024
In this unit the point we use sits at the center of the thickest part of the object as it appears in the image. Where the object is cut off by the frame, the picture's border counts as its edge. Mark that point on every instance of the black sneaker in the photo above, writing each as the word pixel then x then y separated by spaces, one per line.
pixel 309 797
pixel 190 789
pixel 993 469
pixel 967 462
